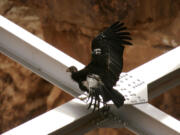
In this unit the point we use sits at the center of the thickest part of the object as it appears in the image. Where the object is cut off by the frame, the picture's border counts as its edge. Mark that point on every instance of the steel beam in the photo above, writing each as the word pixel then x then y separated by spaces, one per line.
pixel 161 85
pixel 145 119
pixel 51 64
pixel 73 118
pixel 38 56
pixel 72 112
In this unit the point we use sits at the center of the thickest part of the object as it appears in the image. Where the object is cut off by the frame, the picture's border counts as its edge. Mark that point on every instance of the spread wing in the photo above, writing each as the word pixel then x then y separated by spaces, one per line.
pixel 107 52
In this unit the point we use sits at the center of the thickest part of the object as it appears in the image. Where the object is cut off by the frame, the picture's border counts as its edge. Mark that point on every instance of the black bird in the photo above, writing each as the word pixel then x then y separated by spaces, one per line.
pixel 102 73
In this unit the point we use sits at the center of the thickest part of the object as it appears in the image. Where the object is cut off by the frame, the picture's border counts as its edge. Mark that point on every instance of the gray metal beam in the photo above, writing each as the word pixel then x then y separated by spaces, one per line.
pixel 145 119
pixel 73 118
pixel 161 85
pixel 38 56
pixel 51 64
pixel 67 114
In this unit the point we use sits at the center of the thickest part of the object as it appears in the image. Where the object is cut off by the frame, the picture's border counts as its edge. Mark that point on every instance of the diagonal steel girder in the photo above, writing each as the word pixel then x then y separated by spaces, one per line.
pixel 73 117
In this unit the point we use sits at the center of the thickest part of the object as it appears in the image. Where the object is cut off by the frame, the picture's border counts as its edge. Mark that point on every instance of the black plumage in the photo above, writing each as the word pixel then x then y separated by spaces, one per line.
pixel 102 73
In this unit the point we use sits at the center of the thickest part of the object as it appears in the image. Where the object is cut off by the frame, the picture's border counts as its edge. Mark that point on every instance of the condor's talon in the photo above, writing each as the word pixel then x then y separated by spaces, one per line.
pixel 98 100
pixel 89 97
pixel 90 102
pixel 94 105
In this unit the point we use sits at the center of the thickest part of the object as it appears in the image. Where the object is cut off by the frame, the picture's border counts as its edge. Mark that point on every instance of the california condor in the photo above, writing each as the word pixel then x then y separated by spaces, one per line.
pixel 102 73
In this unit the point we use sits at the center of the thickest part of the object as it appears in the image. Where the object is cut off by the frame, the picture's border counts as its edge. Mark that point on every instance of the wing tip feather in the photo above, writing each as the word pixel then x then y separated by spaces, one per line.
pixel 119 30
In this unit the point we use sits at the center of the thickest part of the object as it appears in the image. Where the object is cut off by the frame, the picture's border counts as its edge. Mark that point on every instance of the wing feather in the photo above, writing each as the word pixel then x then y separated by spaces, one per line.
pixel 111 41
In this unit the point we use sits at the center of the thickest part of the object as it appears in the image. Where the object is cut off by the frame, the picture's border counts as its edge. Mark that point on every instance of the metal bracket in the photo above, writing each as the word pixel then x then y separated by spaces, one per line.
pixel 134 89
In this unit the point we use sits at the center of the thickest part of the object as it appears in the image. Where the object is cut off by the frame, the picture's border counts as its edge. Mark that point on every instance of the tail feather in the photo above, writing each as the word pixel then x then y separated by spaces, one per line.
pixel 117 98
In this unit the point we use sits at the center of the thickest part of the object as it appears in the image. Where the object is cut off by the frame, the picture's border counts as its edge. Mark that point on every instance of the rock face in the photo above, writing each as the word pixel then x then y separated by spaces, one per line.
pixel 70 25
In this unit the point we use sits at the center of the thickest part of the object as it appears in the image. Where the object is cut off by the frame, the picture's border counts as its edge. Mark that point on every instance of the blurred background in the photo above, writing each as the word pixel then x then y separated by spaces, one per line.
pixel 70 25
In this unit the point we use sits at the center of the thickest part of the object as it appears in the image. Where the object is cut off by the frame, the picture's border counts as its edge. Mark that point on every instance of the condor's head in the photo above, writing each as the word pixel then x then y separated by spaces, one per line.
pixel 71 69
